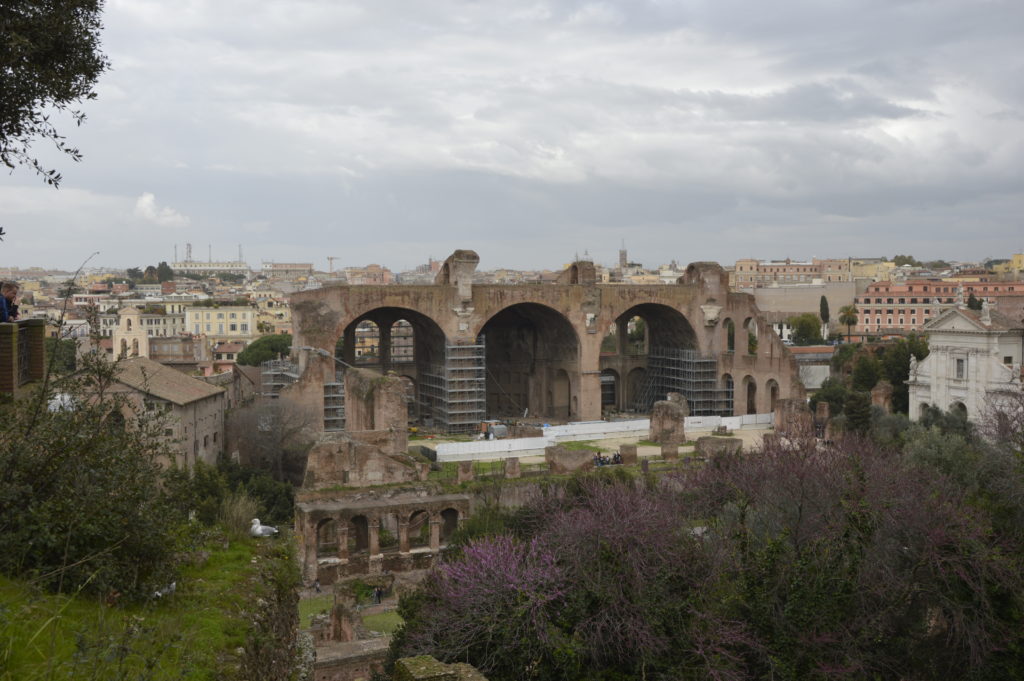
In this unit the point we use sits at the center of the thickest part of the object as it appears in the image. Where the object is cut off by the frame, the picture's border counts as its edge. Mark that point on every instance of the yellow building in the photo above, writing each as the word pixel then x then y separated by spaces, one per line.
pixel 1014 266
pixel 220 324
pixel 874 269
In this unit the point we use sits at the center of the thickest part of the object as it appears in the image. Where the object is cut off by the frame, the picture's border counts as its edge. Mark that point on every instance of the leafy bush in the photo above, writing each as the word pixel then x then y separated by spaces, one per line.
pixel 81 504
pixel 236 514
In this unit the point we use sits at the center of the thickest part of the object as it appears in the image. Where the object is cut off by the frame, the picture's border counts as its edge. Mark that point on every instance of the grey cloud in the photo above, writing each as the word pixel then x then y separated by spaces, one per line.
pixel 533 130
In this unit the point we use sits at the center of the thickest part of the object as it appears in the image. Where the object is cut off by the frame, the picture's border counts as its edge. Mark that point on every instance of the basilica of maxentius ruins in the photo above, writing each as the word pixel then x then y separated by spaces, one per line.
pixel 492 352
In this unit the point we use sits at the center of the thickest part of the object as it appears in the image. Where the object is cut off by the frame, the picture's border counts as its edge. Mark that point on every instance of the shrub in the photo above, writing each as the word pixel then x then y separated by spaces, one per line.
pixel 236 514
pixel 81 504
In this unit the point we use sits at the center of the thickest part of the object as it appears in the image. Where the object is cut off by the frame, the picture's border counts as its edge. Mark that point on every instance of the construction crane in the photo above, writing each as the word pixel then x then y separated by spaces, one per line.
pixel 330 263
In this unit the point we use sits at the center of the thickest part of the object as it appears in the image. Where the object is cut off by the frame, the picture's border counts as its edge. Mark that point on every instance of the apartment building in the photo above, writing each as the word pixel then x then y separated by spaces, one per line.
pixel 901 307
pixel 222 324
pixel 753 273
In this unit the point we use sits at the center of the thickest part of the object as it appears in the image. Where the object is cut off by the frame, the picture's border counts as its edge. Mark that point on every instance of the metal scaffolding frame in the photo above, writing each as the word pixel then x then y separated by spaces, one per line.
pixel 453 396
pixel 334 403
pixel 275 374
pixel 688 373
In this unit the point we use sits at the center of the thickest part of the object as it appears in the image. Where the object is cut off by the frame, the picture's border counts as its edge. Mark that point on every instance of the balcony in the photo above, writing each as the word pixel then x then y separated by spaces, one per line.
pixel 22 354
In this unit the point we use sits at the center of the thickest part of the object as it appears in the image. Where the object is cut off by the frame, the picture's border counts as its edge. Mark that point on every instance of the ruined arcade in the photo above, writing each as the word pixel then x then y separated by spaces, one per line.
pixel 505 351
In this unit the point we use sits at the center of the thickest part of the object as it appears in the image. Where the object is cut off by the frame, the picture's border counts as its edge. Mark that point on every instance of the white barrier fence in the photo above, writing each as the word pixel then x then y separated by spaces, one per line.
pixel 489 450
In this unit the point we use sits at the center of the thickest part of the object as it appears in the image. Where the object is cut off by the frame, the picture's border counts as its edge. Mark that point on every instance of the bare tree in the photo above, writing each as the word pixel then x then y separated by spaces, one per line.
pixel 274 434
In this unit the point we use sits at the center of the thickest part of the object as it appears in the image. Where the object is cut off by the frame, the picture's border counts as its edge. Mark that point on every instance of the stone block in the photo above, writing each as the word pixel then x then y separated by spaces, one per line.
pixel 670 451
pixel 466 473
pixel 561 460
pixel 628 454
pixel 793 415
pixel 668 419
pixel 422 471
pixel 512 469
pixel 711 446
pixel 881 396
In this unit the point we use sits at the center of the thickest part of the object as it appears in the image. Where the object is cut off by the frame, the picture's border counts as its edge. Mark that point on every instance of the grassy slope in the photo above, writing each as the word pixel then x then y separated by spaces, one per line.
pixel 190 635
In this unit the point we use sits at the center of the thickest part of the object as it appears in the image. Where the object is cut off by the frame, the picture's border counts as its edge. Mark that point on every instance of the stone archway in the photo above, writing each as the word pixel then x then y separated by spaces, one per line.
pixel 449 523
pixel 635 381
pixel 532 362
pixel 358 534
pixel 418 352
pixel 772 390
pixel 750 394
pixel 729 397
pixel 419 529
pixel 326 538
pixel 609 389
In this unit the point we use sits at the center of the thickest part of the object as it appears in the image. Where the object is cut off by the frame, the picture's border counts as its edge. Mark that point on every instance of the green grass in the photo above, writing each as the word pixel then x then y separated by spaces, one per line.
pixel 586 445
pixel 385 622
pixel 648 443
pixel 190 635
pixel 314 606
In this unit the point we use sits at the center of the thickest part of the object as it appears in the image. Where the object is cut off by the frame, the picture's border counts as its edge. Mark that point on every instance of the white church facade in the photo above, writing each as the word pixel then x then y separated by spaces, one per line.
pixel 974 362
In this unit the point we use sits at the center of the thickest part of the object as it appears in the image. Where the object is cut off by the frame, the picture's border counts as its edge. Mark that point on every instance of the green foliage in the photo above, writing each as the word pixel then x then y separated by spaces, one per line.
pixel 889 430
pixel 384 622
pixel 81 504
pixel 896 367
pixel 973 303
pixel 843 357
pixel 236 513
pixel 848 317
pixel 806 329
pixel 901 260
pixel 164 272
pixel 205 489
pixel 265 348
pixel 609 343
pixel 858 412
pixel 751 344
pixel 192 635
pixel 60 355
pixel 823 309
pixel 866 372
pixel 50 61
pixel 952 422
pixel 639 331
pixel 833 391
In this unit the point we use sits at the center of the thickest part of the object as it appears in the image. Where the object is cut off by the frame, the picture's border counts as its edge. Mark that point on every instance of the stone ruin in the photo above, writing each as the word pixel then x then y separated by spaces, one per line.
pixel 793 416
pixel 668 418
pixel 881 395
pixel 562 460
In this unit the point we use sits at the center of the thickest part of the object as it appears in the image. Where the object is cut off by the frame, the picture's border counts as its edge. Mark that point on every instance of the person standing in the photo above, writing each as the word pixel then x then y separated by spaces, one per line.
pixel 8 308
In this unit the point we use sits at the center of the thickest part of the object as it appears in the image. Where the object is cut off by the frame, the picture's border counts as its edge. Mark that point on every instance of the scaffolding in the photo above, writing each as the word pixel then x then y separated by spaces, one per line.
pixel 453 395
pixel 275 374
pixel 334 403
pixel 688 373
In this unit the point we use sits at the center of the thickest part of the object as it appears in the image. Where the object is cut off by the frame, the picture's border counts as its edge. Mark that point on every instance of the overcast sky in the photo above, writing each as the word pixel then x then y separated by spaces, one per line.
pixel 385 131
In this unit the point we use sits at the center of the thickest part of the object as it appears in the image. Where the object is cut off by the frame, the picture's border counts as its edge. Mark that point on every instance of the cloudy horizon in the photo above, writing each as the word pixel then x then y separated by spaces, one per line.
pixel 392 132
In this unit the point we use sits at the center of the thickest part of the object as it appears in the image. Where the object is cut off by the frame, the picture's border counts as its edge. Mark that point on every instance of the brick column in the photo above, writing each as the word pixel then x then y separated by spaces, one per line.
pixel 8 357
pixel 435 535
pixel 374 532
pixel 403 536
pixel 342 528
pixel 310 567
pixel 33 331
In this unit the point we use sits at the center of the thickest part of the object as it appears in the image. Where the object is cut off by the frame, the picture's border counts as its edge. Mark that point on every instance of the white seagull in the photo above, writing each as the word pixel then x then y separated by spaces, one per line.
pixel 258 530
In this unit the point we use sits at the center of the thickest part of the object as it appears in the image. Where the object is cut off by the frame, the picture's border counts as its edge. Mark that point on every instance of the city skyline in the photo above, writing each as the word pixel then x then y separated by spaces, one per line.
pixel 379 132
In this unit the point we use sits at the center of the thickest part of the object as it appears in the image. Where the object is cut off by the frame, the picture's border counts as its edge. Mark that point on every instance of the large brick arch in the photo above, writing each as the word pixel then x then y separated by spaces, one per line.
pixel 533 362
pixel 690 312
pixel 428 337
